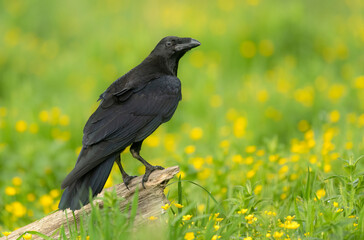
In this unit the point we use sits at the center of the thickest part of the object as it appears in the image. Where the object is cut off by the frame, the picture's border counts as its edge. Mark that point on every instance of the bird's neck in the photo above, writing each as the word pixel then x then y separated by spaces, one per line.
pixel 163 65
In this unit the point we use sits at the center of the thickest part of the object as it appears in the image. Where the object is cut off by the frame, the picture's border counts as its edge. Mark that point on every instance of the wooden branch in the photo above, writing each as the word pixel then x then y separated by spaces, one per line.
pixel 149 204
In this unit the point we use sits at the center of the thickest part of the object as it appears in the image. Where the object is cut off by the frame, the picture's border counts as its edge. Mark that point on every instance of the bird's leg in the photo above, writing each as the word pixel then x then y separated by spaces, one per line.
pixel 126 177
pixel 134 150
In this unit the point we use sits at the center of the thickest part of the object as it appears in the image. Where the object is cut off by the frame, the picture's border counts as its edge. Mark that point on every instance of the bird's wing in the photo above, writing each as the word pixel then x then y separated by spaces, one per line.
pixel 112 127
pixel 132 109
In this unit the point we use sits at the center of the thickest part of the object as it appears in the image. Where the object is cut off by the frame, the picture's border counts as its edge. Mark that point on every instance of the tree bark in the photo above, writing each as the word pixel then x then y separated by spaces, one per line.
pixel 149 204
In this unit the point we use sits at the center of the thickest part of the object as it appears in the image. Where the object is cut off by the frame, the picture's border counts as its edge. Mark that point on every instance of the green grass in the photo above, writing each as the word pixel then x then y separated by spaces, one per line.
pixel 271 121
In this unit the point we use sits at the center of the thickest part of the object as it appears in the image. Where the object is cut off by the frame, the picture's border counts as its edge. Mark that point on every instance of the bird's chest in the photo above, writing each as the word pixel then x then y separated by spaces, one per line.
pixel 164 86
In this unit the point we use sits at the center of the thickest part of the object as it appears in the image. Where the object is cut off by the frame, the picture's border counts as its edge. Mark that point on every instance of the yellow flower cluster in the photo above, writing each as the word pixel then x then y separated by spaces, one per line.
pixel 242 211
pixel 17 209
pixel 270 213
pixel 47 201
pixel 189 236
pixel 289 223
pixel 251 218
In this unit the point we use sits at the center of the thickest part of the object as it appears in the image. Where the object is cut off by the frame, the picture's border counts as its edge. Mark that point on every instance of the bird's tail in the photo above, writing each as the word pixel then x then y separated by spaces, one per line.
pixel 77 193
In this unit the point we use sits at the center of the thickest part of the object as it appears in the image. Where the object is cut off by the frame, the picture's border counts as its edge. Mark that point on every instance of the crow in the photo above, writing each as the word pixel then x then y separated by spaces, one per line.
pixel 130 109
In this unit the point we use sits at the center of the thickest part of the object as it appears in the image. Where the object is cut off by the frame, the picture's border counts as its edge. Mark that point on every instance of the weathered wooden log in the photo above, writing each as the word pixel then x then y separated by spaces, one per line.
pixel 149 204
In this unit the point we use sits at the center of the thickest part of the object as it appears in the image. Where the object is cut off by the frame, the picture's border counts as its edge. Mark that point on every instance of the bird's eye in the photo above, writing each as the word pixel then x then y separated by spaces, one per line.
pixel 168 44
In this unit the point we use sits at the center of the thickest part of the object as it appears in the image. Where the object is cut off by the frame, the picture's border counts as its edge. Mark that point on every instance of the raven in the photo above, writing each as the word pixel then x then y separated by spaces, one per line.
pixel 130 110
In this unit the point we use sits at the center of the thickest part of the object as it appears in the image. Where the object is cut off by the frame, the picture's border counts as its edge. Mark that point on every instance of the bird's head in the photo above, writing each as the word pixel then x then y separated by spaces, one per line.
pixel 172 48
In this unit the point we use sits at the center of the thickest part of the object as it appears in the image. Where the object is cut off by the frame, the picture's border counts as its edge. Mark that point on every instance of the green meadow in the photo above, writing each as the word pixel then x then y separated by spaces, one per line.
pixel 268 136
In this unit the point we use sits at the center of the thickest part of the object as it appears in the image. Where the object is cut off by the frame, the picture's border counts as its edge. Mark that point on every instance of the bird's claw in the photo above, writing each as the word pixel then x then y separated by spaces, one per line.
pixel 127 180
pixel 147 173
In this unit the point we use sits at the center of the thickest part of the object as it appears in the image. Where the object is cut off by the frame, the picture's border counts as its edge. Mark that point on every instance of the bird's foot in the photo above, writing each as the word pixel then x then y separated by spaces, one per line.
pixel 148 171
pixel 127 180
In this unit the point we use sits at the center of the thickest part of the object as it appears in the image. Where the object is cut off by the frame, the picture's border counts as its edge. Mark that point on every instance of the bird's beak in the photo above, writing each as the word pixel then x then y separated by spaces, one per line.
pixel 187 44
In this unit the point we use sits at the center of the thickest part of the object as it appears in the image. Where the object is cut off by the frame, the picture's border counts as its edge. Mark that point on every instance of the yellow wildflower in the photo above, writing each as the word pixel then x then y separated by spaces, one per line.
pixel 16 181
pixel 64 120
pixel 152 218
pixel 334 116
pixel 273 158
pixel 18 209
pixel 225 144
pixel 283 170
pixel 349 145
pixel 165 207
pixel 10 191
pixel 197 162
pixel 152 141
pixel 268 235
pixel 291 225
pixel 46 200
pixel 237 158
pixel 320 193
pixel 27 236
pixel 251 219
pixel 239 127
pixel 249 160
pixel 186 217
pixel 270 213
pixel 242 211
pixel 248 238
pixel 178 205
pixel 44 116
pixel 216 227
pixel 258 189
pixel 215 237
pixel 189 236
pixel 21 126
pixel 196 133
pixel 6 233
pixel 250 174
pixel 260 153
pixel 201 207
pixel 30 197
pixel 339 210
pixel 335 204
pixel 250 149
pixel 190 149
pixel 54 193
pixel 327 168
pixel 336 91
pixel 278 235
pixel 359 82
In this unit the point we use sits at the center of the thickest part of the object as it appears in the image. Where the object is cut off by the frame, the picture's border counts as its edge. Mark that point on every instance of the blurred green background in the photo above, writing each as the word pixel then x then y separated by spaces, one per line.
pixel 275 85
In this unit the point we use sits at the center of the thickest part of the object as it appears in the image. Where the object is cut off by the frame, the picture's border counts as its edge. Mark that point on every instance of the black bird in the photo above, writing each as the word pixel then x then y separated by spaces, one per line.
pixel 130 110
